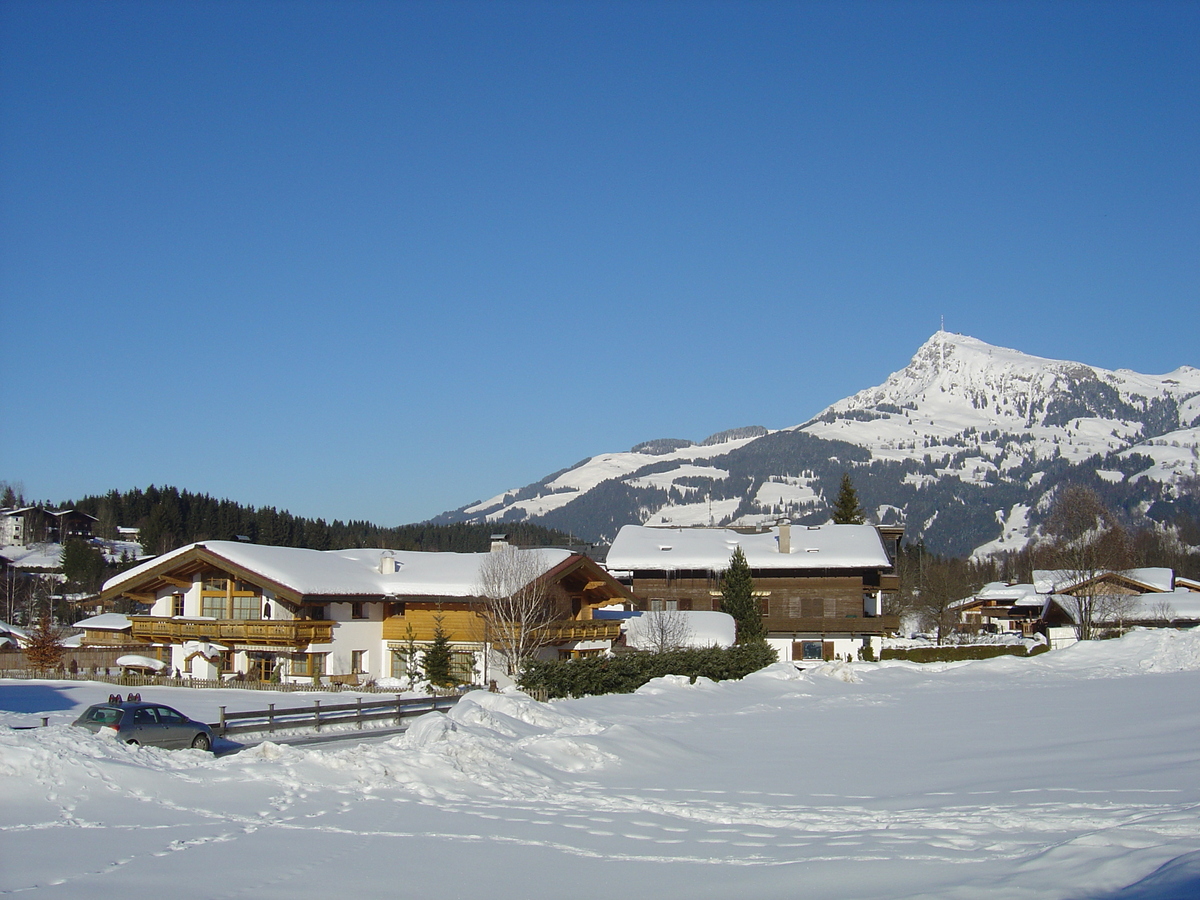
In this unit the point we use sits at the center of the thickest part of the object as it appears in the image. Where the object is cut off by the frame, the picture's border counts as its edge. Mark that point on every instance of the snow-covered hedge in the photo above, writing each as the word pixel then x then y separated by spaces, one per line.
pixel 957 652
pixel 625 674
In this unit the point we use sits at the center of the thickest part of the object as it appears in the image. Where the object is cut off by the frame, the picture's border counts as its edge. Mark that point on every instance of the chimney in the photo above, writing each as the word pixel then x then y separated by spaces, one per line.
pixel 387 563
pixel 785 536
pixel 499 542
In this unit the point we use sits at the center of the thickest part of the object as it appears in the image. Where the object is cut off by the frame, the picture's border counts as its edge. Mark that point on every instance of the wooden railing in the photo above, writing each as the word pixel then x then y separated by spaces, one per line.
pixel 832 625
pixel 295 633
pixel 585 630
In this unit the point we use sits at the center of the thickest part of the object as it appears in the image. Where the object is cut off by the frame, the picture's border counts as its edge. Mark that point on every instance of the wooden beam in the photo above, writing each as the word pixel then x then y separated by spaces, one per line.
pixel 141 598
pixel 178 582
pixel 592 585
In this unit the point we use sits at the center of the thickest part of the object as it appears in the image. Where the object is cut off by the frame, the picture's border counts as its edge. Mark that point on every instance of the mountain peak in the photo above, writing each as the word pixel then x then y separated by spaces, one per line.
pixel 964 445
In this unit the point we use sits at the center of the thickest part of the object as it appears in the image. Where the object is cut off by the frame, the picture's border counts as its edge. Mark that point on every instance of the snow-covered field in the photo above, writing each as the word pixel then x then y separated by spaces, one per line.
pixel 1075 774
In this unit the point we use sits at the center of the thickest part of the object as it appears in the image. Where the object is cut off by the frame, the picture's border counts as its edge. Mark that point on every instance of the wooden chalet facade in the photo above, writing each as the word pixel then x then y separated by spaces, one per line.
pixel 217 608
pixel 35 524
pixel 820 588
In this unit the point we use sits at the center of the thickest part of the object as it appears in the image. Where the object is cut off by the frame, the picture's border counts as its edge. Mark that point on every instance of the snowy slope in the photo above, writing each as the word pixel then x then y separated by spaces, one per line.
pixel 1071 775
pixel 964 445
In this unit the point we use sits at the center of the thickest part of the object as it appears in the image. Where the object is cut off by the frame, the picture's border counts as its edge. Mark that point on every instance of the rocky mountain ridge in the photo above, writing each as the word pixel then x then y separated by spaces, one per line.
pixel 965 445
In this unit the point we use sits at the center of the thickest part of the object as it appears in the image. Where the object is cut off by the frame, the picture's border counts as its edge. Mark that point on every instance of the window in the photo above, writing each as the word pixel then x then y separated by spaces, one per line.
pixel 396 609
pixel 657 604
pixel 228 598
pixel 462 666
pixel 247 607
pixel 400 664
pixel 812 650
pixel 358 611
pixel 308 663
pixel 177 605
pixel 358 661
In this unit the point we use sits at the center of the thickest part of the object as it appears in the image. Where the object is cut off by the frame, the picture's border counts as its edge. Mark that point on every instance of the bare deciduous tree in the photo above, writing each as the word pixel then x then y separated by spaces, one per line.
pixel 1162 611
pixel 1086 542
pixel 518 605
pixel 663 630
pixel 936 602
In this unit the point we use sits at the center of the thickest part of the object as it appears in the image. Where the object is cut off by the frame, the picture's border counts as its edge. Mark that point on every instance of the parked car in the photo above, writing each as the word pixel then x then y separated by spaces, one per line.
pixel 151 724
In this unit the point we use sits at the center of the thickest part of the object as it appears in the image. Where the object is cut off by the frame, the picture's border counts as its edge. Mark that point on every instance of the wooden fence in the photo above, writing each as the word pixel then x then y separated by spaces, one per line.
pixel 137 680
pixel 271 719
pixel 85 659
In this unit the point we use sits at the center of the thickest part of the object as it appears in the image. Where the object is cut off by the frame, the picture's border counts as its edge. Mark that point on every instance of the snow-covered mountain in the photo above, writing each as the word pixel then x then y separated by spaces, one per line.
pixel 964 445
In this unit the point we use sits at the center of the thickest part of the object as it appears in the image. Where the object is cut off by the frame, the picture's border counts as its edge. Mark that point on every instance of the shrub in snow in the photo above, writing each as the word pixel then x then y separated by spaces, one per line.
pixel 960 652
pixel 625 674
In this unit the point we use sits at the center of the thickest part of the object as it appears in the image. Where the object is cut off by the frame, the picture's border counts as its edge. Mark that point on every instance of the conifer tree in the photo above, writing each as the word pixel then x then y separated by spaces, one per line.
pixel 44 644
pixel 846 510
pixel 737 598
pixel 437 657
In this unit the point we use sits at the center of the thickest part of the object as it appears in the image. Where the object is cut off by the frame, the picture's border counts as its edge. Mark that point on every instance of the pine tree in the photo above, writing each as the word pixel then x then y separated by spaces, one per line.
pixel 846 510
pixel 437 657
pixel 737 598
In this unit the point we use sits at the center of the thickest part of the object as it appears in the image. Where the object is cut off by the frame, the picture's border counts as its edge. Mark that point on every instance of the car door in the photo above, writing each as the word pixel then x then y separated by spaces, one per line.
pixel 176 730
pixel 146 727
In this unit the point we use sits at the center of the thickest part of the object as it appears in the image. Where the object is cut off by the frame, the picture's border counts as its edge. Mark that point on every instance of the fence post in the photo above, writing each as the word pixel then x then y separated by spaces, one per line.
pixel 317 714
pixel 358 703
pixel 398 702
pixel 222 721
pixel 270 718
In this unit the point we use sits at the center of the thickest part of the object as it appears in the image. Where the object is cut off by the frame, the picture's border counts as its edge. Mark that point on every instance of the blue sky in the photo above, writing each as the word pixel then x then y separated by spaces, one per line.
pixel 378 260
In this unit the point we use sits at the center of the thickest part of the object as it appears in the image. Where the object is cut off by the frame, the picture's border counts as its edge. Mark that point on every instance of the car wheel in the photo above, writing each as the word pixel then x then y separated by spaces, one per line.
pixel 201 742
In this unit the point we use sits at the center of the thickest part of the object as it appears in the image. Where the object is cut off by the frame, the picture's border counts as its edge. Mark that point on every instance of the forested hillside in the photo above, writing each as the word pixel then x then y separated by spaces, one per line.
pixel 169 518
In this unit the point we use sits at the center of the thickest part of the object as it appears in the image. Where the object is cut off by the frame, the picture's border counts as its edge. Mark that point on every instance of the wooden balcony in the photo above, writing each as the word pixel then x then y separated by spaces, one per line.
pixel 295 633
pixel 830 625
pixel 585 630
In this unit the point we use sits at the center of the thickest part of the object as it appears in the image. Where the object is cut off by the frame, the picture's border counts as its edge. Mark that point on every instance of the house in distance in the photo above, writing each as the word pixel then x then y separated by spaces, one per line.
pixel 820 588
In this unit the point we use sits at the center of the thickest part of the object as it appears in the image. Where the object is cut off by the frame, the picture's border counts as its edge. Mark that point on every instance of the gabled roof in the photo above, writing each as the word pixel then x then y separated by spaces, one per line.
pixel 1142 581
pixel 815 547
pixel 297 574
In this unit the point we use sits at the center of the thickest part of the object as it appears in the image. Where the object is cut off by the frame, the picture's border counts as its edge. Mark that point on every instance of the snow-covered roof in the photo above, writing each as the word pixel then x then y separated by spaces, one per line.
pixel 1049 581
pixel 1001 593
pixel 105 622
pixel 5 628
pixel 137 661
pixel 813 547
pixel 348 572
pixel 35 556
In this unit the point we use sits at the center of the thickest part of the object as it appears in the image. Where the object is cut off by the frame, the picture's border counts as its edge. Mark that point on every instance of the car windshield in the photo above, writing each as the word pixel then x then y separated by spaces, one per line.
pixel 104 715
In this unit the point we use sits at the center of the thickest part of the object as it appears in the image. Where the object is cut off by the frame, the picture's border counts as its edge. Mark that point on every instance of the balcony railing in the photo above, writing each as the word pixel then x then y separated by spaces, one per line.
pixel 295 633
pixel 831 625
pixel 585 630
